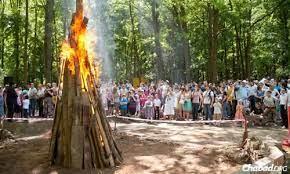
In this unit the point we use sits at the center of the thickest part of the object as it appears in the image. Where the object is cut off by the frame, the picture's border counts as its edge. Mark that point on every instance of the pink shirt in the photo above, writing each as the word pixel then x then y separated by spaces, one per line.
pixel 196 97
pixel 143 99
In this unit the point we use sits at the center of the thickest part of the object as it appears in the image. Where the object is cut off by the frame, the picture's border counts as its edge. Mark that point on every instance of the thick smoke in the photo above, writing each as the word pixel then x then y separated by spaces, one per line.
pixel 100 26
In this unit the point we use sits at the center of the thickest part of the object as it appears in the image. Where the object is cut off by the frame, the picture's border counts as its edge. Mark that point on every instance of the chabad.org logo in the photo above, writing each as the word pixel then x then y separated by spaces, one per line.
pixel 271 168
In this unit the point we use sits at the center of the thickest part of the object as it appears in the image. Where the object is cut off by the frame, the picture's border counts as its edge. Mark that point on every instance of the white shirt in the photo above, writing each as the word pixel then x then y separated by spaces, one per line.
pixel 25 104
pixel 157 102
pixel 283 99
pixel 252 90
pixel 207 95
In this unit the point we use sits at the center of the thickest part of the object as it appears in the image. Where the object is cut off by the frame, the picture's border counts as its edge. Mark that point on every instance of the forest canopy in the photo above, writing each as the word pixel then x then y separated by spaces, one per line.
pixel 178 40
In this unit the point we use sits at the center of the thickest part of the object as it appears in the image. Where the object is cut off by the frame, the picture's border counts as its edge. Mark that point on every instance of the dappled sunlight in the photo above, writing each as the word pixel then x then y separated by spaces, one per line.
pixel 198 135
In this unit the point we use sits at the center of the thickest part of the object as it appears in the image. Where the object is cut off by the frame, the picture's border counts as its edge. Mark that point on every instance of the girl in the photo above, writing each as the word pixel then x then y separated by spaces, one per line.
pixel 239 111
pixel 138 107
pixel 187 106
pixel 181 101
pixel 169 105
pixel 217 113
pixel 149 108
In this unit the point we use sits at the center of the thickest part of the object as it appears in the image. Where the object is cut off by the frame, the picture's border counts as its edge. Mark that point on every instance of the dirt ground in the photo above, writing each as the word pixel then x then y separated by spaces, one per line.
pixel 145 149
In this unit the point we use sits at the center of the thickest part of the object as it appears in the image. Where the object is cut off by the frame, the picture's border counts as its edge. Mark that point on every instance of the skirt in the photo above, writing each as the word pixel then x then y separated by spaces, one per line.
pixel 187 106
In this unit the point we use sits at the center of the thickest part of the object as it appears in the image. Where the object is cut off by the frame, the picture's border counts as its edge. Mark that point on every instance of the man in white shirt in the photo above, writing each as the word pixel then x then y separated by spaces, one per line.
pixel 208 99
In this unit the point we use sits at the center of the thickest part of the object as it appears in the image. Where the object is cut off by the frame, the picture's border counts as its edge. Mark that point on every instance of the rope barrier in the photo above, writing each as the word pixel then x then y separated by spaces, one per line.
pixel 29 119
pixel 176 122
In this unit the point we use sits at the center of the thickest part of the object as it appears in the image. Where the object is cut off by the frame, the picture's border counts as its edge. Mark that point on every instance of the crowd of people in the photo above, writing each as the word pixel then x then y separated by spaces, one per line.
pixel 29 101
pixel 263 102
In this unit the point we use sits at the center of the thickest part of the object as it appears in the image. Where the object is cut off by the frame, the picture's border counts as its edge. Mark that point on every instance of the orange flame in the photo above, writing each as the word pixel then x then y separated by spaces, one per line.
pixel 79 52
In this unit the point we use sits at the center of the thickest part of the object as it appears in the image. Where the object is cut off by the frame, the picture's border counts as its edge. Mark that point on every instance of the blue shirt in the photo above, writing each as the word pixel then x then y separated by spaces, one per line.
pixel 124 104
pixel 242 93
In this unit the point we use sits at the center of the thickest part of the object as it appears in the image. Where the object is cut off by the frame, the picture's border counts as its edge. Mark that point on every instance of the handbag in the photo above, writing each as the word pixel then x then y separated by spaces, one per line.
pixel 181 101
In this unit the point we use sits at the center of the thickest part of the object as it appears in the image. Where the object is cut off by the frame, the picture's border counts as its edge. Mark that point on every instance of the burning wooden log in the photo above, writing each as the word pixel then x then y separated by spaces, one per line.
pixel 81 135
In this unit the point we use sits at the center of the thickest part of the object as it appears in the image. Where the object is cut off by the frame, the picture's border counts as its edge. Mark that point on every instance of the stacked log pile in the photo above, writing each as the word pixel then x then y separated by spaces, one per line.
pixel 81 135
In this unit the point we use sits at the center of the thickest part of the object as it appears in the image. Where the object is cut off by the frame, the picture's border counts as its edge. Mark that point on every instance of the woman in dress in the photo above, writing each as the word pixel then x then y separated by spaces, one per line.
pixel 149 108
pixel 187 105
pixel 169 105
pixel 239 111
pixel 177 106
pixel 143 99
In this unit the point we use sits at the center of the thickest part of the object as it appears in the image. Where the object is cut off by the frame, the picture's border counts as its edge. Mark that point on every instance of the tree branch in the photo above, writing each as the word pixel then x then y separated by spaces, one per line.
pixel 268 14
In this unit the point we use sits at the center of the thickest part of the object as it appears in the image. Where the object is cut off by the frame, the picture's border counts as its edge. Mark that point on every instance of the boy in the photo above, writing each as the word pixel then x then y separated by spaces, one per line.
pixel 124 105
pixel 269 104
pixel 25 106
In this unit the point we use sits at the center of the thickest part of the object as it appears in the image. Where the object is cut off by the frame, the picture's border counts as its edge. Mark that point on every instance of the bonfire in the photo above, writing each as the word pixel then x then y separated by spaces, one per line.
pixel 81 135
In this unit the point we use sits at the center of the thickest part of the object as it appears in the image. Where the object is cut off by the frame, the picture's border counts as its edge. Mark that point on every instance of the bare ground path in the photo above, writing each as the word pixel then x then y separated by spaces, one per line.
pixel 147 148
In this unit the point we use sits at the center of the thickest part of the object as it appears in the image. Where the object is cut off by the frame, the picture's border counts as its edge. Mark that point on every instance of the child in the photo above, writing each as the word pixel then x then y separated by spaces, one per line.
pixel 25 106
pixel 157 106
pixel 269 104
pixel 217 109
pixel 149 108
pixel 124 105
pixel 239 111
pixel 2 114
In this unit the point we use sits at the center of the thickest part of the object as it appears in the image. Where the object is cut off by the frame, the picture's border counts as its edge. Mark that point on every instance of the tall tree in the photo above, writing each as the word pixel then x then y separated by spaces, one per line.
pixel 26 56
pixel 2 38
pixel 159 65
pixel 212 42
pixel 48 51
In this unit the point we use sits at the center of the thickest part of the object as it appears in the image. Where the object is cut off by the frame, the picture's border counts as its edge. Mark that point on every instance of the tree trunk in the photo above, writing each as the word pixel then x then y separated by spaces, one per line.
pixel 26 56
pixel 284 17
pixel 238 55
pixel 36 56
pixel 2 38
pixel 49 8
pixel 210 46
pixel 133 41
pixel 185 43
pixel 16 51
pixel 215 43
pixel 212 42
pixel 159 65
